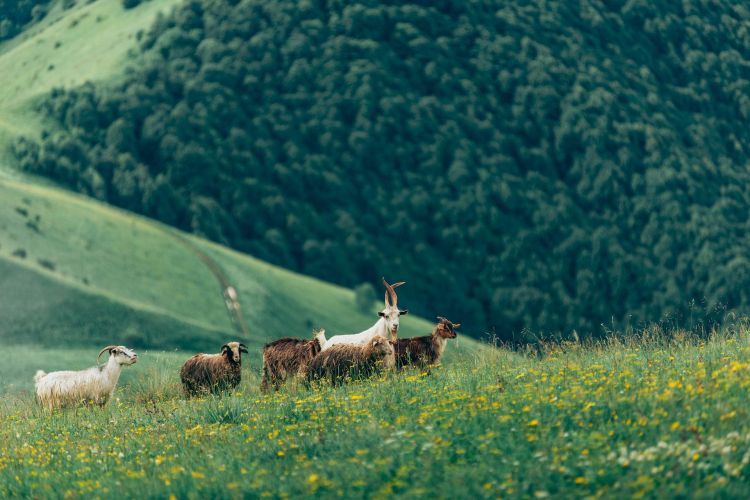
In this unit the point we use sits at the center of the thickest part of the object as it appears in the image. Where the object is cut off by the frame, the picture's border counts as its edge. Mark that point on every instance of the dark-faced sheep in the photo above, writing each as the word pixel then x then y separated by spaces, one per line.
pixel 427 350
pixel 350 361
pixel 288 357
pixel 204 373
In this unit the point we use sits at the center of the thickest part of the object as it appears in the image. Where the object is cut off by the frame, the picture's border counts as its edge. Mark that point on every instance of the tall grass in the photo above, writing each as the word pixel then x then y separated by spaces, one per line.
pixel 663 416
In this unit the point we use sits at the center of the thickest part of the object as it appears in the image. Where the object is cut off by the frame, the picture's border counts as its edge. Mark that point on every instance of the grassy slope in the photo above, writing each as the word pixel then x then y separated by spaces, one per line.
pixel 87 42
pixel 107 251
pixel 656 419
pixel 103 251
pixel 117 277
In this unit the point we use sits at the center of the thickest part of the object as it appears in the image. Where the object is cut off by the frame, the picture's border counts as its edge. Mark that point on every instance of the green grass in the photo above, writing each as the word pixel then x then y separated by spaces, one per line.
pixel 657 418
pixel 41 311
pixel 112 276
pixel 106 251
pixel 89 42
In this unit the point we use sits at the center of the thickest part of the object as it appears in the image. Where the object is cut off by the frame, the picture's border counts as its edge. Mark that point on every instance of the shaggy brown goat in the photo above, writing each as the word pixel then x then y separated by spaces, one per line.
pixel 351 361
pixel 427 350
pixel 213 373
pixel 288 357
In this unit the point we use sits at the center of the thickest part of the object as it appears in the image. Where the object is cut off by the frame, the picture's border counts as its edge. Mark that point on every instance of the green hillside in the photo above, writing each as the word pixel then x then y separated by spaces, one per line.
pixel 76 273
pixel 558 165
pixel 89 41
pixel 537 164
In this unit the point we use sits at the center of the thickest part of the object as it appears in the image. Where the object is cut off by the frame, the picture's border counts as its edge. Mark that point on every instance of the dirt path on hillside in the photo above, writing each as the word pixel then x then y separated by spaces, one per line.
pixel 228 292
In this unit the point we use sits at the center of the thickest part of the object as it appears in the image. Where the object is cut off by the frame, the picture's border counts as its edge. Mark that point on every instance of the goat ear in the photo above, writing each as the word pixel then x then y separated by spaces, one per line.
pixel 403 312
pixel 456 325
pixel 225 347
pixel 381 314
pixel 243 348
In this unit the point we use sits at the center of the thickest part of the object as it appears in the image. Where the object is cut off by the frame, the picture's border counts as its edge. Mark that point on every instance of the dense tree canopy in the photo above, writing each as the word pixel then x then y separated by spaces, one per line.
pixel 129 4
pixel 15 14
pixel 542 165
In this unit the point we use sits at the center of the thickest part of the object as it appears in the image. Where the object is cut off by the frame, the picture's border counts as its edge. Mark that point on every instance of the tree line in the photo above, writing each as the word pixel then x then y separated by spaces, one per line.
pixel 15 15
pixel 528 167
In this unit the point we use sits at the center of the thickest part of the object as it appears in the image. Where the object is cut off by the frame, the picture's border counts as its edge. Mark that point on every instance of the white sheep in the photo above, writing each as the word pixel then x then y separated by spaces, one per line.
pixel 92 386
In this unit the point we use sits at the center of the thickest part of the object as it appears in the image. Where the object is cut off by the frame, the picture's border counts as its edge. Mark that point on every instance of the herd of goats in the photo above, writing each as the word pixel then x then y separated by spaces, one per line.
pixel 340 358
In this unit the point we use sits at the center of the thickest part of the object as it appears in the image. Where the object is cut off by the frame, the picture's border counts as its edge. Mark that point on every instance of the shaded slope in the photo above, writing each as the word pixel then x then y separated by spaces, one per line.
pixel 47 312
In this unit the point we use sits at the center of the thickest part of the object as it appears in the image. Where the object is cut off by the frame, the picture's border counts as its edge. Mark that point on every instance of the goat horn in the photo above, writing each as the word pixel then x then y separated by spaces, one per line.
pixel 387 288
pixel 392 292
pixel 108 348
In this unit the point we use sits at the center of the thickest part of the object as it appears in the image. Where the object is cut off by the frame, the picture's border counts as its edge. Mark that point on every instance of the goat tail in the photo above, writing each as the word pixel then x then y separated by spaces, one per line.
pixel 40 374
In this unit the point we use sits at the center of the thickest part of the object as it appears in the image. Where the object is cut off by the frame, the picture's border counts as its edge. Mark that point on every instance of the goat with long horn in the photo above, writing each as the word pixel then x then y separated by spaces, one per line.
pixel 92 386
pixel 386 326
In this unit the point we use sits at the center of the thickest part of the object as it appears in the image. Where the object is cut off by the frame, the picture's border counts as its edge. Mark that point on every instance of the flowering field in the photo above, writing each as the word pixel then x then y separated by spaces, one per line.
pixel 651 418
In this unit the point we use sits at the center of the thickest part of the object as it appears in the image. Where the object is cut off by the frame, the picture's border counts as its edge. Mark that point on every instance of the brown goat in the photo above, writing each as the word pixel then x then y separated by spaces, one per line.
pixel 204 373
pixel 352 361
pixel 288 357
pixel 427 350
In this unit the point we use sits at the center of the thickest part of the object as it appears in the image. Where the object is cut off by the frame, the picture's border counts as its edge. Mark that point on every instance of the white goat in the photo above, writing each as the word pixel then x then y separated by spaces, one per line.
pixel 386 326
pixel 92 386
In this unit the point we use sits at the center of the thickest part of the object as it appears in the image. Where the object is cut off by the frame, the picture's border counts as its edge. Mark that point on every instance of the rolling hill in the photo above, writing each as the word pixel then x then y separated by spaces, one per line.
pixel 75 272
pixel 557 165
pixel 655 414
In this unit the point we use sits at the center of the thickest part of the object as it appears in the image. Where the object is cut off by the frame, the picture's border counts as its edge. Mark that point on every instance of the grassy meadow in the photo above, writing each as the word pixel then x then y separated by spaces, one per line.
pixel 65 258
pixel 648 417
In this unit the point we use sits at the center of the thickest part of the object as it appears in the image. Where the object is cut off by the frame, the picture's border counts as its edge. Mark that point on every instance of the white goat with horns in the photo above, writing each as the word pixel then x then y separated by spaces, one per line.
pixel 386 326
pixel 94 385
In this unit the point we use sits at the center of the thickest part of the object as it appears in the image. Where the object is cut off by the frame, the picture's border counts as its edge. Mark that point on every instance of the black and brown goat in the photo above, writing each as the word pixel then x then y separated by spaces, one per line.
pixel 351 361
pixel 427 350
pixel 288 357
pixel 204 373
